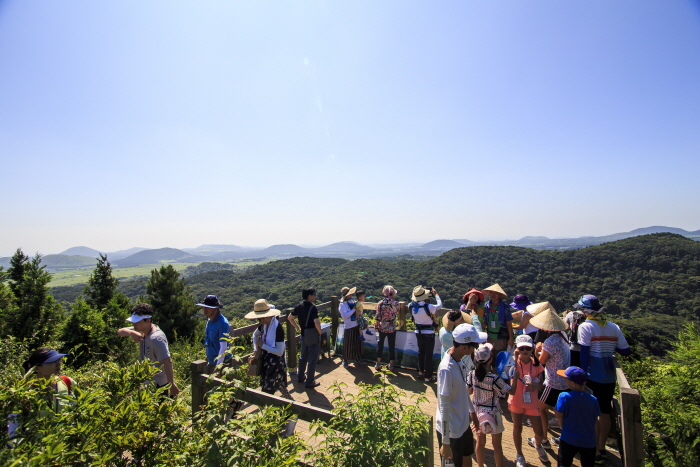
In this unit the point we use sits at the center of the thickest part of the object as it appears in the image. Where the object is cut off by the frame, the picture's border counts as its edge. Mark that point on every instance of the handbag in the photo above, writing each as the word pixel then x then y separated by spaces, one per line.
pixel 310 338
pixel 254 363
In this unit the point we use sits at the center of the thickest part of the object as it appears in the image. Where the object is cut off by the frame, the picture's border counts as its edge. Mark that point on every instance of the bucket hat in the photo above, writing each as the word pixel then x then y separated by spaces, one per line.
pixel 211 301
pixel 588 303
pixel 520 302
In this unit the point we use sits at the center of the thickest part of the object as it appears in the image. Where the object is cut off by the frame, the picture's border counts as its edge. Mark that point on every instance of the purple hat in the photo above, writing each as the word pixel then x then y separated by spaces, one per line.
pixel 520 302
pixel 575 374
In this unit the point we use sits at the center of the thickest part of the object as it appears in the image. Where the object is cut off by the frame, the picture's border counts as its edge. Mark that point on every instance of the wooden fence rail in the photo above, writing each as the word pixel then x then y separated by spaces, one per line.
pixel 630 422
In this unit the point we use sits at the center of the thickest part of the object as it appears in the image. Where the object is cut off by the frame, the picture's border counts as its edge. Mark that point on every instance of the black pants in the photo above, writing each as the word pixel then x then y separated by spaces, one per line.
pixel 391 337
pixel 426 343
pixel 575 357
pixel 461 447
pixel 568 451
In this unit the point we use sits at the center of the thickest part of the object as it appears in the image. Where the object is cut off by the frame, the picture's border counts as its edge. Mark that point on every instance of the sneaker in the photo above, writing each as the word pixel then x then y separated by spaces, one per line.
pixel 520 461
pixel 553 423
pixel 599 459
pixel 345 364
pixel 545 444
pixel 542 454
pixel 555 441
pixel 312 385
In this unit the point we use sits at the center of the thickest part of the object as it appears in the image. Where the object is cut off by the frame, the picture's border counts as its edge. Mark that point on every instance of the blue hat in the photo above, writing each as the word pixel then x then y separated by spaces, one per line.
pixel 588 302
pixel 52 356
pixel 575 374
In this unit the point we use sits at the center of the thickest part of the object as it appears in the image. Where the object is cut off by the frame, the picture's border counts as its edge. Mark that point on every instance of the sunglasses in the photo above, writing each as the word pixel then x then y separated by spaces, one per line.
pixel 524 349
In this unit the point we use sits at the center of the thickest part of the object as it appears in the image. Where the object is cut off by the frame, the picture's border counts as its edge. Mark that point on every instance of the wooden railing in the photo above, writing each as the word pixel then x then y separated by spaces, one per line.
pixel 630 422
pixel 202 381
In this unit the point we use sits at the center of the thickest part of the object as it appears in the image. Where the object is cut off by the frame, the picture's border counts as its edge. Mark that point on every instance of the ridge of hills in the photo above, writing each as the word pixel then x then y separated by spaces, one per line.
pixel 346 249
pixel 650 284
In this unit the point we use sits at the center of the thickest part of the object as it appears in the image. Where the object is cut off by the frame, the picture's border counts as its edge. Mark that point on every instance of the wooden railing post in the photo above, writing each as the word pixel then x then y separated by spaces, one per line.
pixel 403 309
pixel 335 303
pixel 291 344
pixel 632 430
pixel 197 368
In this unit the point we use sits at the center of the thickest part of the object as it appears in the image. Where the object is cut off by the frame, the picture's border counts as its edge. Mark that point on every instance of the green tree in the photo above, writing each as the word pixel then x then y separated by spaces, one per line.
pixel 102 285
pixel 36 315
pixel 173 304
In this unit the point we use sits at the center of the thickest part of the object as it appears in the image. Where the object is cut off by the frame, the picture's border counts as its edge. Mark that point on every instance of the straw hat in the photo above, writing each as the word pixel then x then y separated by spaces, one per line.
pixel 344 292
pixel 262 309
pixel 495 288
pixel 420 294
pixel 537 308
pixel 549 320
pixel 465 317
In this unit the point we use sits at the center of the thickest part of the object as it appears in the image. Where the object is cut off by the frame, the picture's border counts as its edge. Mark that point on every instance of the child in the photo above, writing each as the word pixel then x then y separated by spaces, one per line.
pixel 577 412
pixel 524 402
pixel 486 389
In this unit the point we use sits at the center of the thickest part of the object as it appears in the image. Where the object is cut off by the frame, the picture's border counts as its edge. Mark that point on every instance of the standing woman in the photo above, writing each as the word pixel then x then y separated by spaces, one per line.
pixel 472 306
pixel 270 338
pixel 385 325
pixel 554 354
pixel 352 345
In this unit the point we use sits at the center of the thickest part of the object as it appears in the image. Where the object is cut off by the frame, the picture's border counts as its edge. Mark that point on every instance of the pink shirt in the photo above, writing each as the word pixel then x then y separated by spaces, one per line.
pixel 535 373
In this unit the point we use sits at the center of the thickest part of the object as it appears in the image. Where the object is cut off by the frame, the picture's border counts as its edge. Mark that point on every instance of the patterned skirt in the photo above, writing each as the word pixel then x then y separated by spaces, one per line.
pixel 273 375
pixel 352 345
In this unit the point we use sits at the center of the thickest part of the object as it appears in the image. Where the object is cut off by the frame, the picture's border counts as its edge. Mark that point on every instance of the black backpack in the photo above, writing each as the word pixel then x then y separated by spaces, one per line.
pixel 425 307
pixel 579 318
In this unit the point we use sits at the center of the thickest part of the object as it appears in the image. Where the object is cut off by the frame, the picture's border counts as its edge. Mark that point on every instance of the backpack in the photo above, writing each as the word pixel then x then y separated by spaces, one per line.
pixel 66 380
pixel 573 330
pixel 413 305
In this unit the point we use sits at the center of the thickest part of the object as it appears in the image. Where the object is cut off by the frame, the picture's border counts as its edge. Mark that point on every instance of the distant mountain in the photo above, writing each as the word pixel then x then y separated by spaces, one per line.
pixel 443 245
pixel 344 247
pixel 282 250
pixel 207 250
pixel 81 251
pixel 156 256
pixel 58 262
pixel 115 255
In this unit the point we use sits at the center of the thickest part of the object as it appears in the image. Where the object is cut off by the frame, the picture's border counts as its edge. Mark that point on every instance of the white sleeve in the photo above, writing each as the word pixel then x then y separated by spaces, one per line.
pixel 444 390
pixel 278 349
pixel 345 310
pixel 222 350
pixel 256 333
pixel 438 305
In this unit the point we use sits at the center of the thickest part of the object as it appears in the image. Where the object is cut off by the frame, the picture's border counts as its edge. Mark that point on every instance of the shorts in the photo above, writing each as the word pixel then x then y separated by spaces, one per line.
pixel 549 396
pixel 461 447
pixel 568 451
pixel 524 410
pixel 604 392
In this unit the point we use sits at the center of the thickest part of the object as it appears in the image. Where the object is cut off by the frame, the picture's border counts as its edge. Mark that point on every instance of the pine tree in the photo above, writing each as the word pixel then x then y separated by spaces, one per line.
pixel 102 285
pixel 36 315
pixel 173 304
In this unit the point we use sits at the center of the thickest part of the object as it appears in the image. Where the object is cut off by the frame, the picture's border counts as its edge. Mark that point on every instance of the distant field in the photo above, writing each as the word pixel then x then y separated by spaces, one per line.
pixel 81 275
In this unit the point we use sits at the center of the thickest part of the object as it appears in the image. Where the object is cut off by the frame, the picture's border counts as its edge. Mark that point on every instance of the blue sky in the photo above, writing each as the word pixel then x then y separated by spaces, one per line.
pixel 179 123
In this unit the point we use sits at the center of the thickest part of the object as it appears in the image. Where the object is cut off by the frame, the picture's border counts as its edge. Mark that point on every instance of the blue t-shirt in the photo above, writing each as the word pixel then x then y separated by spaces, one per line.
pixel 581 413
pixel 215 331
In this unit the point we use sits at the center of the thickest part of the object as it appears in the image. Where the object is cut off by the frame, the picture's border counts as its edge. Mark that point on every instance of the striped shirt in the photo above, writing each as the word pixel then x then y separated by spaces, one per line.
pixel 602 341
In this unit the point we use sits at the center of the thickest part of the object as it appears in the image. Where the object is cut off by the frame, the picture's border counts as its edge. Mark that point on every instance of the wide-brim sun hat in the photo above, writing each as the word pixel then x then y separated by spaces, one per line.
pixel 537 308
pixel 347 292
pixel 465 317
pixel 472 291
pixel 262 309
pixel 420 294
pixel 495 288
pixel 549 320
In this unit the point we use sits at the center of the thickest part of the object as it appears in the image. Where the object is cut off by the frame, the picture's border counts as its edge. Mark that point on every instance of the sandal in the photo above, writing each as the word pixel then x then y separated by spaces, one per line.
pixel 432 379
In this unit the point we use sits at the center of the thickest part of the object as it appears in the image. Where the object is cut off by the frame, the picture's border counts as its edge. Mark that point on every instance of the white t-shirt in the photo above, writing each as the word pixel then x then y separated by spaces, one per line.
pixel 452 384
pixel 421 317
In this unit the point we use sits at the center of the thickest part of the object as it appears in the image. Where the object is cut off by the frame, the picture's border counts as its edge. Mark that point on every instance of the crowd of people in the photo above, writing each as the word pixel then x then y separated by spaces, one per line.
pixel 561 363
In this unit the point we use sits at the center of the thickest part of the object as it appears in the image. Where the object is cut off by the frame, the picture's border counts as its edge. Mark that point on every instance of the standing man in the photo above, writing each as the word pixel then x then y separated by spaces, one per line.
pixel 216 332
pixel 600 339
pixel 455 408
pixel 153 345
pixel 499 320
pixel 310 328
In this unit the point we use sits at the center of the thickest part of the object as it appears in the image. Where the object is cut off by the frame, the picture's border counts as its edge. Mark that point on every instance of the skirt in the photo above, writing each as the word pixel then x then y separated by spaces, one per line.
pixel 352 345
pixel 273 375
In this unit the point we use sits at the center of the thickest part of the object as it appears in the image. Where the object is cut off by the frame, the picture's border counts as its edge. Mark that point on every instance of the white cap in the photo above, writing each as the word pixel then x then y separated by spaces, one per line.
pixel 523 340
pixel 466 333
pixel 136 318
pixel 483 353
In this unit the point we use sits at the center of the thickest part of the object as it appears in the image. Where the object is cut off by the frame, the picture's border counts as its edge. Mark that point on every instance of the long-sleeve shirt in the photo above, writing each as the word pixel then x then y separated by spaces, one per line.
pixel 348 315
pixel 422 318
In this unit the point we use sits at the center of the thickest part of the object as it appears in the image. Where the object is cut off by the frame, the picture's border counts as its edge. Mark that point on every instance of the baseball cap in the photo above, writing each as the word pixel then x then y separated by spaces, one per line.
pixel 483 353
pixel 466 333
pixel 575 374
pixel 523 340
